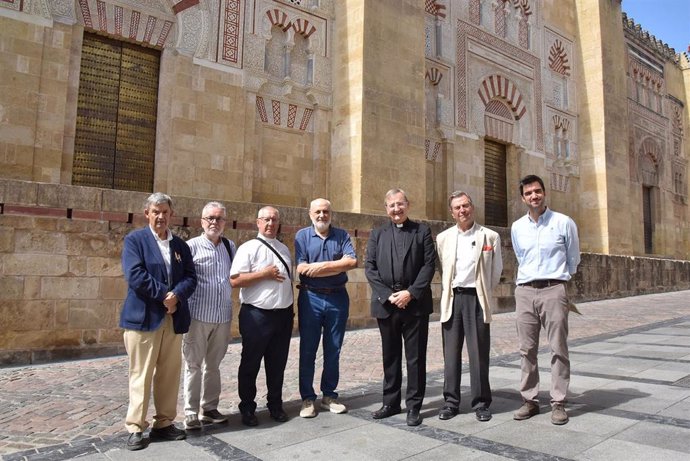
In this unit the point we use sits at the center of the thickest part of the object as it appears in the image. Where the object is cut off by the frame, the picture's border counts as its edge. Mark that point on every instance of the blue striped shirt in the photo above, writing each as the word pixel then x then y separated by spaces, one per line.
pixel 211 302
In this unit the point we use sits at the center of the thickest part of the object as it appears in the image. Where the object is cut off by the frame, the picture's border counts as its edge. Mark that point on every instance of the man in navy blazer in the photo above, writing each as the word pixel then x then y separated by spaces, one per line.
pixel 160 275
pixel 400 263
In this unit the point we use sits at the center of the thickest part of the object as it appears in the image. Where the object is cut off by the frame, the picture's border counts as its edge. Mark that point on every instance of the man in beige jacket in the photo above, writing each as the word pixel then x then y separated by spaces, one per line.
pixel 471 266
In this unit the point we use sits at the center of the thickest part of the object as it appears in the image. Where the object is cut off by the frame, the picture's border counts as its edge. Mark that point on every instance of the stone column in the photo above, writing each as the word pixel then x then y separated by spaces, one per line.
pixel 378 134
pixel 605 205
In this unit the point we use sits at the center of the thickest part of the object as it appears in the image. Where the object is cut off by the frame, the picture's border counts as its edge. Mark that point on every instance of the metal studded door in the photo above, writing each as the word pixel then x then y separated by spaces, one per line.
pixel 116 115
pixel 495 192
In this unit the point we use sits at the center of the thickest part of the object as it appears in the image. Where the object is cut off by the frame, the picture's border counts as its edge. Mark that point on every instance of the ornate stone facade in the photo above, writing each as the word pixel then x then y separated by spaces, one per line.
pixel 280 101
pixel 513 71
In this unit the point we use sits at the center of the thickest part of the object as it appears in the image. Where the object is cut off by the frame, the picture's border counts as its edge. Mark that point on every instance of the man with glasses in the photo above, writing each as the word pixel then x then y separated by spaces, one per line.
pixel 324 254
pixel 400 263
pixel 261 270
pixel 206 343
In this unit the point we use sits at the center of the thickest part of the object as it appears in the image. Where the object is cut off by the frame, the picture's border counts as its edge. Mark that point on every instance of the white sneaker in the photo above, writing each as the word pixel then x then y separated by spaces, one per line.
pixel 332 405
pixel 308 410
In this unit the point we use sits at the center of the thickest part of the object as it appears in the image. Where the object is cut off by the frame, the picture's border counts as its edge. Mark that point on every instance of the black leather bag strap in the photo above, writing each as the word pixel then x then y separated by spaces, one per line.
pixel 231 253
pixel 277 254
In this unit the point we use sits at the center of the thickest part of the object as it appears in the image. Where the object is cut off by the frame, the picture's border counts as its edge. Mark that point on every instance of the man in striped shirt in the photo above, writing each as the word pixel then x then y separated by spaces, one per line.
pixel 211 309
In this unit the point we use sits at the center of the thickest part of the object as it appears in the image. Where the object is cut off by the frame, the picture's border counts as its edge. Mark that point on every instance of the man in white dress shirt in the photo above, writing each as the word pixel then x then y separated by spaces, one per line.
pixel 261 270
pixel 471 266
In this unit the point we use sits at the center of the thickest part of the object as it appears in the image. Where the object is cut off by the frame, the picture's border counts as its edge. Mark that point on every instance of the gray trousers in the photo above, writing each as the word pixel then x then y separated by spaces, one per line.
pixel 466 324
pixel 203 348
pixel 536 308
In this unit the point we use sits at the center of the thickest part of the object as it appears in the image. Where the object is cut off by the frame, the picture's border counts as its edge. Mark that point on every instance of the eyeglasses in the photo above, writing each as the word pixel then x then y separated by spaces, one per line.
pixel 212 219
pixel 267 220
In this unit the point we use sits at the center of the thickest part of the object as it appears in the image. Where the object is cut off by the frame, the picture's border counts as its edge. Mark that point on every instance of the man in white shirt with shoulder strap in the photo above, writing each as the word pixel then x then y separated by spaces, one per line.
pixel 261 270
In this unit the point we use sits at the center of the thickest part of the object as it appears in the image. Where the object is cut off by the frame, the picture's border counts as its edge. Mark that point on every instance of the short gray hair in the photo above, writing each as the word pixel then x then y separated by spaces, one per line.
pixel 393 192
pixel 459 193
pixel 156 199
pixel 266 208
pixel 209 205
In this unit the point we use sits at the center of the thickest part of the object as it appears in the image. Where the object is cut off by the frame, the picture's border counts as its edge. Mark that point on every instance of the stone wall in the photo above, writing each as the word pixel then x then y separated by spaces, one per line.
pixel 33 108
pixel 61 284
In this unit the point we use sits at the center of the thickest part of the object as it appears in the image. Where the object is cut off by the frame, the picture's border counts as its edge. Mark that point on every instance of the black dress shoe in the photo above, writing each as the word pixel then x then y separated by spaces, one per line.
pixel 136 441
pixel 249 419
pixel 385 411
pixel 278 415
pixel 413 418
pixel 168 433
pixel 447 413
pixel 482 414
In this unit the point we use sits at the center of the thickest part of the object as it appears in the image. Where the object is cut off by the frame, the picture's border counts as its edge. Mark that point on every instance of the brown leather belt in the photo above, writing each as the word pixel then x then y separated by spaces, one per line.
pixel 542 283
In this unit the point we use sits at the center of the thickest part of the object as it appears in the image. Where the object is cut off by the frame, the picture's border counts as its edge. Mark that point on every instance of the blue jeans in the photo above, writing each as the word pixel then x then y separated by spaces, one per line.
pixel 328 313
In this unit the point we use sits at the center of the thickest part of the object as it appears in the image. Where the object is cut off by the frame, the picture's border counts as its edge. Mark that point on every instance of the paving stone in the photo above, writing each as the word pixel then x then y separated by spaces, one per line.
pixel 624 356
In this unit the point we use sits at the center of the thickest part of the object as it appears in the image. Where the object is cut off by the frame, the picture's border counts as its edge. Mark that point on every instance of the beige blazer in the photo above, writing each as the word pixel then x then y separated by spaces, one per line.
pixel 488 268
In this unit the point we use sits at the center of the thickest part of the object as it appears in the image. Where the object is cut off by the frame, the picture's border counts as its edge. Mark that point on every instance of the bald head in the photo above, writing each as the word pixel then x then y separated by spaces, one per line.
pixel 320 214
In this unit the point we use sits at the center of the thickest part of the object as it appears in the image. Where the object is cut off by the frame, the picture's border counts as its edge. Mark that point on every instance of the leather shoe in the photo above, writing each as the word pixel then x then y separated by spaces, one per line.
pixel 279 415
pixel 482 414
pixel 136 441
pixel 413 418
pixel 385 411
pixel 447 413
pixel 526 411
pixel 249 419
pixel 167 433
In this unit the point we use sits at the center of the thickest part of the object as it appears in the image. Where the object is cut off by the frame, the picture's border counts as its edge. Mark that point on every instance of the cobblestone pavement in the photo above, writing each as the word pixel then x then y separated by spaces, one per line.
pixel 65 402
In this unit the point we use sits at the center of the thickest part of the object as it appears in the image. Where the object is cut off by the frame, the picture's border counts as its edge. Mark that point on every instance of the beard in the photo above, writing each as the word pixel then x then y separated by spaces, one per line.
pixel 321 226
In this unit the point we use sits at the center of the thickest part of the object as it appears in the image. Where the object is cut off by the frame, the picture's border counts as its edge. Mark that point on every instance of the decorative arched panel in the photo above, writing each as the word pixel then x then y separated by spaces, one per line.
pixel 498 86
pixel 649 162
pixel 150 26
pixel 498 121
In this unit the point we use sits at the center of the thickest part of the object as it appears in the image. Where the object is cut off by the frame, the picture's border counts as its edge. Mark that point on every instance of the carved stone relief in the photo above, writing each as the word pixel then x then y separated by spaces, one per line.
pixel 481 55
pixel 286 57
pixel 230 36
pixel 560 91
pixel 15 5
pixel 64 11
pixel 194 26
pixel 149 22
pixel 37 8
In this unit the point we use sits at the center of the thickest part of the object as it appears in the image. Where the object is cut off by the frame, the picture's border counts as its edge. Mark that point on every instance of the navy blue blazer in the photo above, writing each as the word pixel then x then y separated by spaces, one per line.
pixel 147 282
pixel 418 269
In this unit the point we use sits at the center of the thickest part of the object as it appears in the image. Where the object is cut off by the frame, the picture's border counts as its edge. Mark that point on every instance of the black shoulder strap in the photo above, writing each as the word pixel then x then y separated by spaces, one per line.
pixel 231 253
pixel 277 254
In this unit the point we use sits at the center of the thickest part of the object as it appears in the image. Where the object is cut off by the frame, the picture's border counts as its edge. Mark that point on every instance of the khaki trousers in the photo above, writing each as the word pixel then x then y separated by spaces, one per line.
pixel 547 307
pixel 154 357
